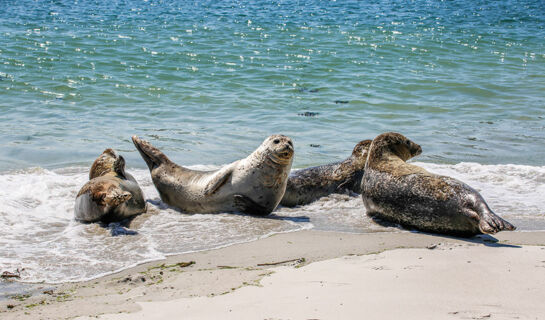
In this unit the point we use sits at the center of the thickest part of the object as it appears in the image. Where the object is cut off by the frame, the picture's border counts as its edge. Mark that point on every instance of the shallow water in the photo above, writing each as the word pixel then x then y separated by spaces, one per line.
pixel 206 82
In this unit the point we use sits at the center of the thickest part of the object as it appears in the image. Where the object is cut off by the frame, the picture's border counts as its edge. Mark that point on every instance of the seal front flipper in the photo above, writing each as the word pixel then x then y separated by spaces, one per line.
pixel 249 206
pixel 218 180
pixel 119 167
pixel 153 156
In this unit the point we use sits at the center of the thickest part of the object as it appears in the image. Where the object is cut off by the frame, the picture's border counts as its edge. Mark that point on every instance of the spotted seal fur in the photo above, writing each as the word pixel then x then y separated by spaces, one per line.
pixel 310 184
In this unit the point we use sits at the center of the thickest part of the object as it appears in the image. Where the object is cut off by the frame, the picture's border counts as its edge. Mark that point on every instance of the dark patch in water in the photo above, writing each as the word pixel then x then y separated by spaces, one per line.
pixel 308 114
pixel 315 145
pixel 341 101
pixel 305 89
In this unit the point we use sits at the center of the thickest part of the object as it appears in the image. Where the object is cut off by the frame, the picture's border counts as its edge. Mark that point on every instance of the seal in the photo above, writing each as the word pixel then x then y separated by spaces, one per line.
pixel 310 184
pixel 396 191
pixel 253 185
pixel 111 194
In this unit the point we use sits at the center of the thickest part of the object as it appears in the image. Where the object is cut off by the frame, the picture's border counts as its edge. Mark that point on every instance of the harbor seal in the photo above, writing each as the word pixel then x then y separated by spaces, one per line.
pixel 403 193
pixel 111 194
pixel 307 185
pixel 254 185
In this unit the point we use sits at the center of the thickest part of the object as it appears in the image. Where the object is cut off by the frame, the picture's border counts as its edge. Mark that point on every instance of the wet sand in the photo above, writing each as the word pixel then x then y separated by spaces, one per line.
pixel 313 274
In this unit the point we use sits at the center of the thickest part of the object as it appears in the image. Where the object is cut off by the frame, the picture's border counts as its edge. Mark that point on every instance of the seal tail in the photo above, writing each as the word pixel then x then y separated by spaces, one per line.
pixel 153 156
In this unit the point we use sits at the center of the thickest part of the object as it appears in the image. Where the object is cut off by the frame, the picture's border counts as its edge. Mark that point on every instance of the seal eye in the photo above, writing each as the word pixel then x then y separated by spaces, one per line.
pixel 276 141
pixel 291 144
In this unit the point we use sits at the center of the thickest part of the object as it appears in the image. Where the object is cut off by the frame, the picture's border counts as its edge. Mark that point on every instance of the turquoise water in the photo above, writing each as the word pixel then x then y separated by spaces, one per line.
pixel 207 82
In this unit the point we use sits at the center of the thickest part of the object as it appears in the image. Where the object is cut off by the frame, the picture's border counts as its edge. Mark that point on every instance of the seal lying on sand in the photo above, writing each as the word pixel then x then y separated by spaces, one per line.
pixel 310 184
pixel 253 185
pixel 411 196
pixel 111 193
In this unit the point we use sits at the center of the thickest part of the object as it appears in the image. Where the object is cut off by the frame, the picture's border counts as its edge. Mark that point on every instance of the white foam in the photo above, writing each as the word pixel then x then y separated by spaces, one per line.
pixel 40 235
pixel 510 190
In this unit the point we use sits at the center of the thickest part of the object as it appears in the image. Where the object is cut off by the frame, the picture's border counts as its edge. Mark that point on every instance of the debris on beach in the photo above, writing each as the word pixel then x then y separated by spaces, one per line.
pixel 297 260
pixel 12 275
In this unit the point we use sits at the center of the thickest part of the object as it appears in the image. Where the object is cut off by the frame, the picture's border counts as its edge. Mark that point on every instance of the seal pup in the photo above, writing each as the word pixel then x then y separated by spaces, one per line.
pixel 254 185
pixel 403 193
pixel 111 194
pixel 310 184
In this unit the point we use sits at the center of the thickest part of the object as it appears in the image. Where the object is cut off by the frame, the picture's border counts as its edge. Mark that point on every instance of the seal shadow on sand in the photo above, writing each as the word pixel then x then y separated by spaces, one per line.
pixel 119 228
pixel 157 203
pixel 484 239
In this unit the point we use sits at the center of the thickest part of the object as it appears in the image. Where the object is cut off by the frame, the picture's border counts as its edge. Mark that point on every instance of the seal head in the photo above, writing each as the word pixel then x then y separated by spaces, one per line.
pixel 396 191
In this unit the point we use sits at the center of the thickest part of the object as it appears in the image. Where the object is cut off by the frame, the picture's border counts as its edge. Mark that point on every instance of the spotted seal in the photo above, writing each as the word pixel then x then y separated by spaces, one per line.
pixel 111 194
pixel 403 193
pixel 253 185
pixel 308 185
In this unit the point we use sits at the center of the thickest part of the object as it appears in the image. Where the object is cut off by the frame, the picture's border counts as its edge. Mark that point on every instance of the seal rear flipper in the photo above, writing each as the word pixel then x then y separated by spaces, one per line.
pixel 249 206
pixel 153 156
pixel 218 180
pixel 491 223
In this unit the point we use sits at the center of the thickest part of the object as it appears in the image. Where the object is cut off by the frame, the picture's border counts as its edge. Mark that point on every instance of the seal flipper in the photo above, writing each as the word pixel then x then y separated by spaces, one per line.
pixel 119 167
pixel 218 180
pixel 249 206
pixel 153 156
pixel 115 198
pixel 103 195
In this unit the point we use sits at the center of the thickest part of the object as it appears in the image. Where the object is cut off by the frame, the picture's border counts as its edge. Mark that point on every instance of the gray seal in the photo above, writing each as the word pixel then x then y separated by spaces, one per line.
pixel 111 194
pixel 253 185
pixel 396 191
pixel 310 184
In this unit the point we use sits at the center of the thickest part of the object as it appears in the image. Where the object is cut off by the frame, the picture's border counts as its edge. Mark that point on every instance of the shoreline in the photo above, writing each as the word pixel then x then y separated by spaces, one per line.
pixel 225 270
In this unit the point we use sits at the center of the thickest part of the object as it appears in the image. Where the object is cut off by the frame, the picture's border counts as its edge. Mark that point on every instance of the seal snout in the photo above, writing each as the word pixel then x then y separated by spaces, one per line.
pixel 286 150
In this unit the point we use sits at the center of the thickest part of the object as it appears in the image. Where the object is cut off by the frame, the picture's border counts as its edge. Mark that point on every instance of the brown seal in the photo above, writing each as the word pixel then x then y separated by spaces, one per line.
pixel 396 191
pixel 310 184
pixel 111 194
pixel 253 185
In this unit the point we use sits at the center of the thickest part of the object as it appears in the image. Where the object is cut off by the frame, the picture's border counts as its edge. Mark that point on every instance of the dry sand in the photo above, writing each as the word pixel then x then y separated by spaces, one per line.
pixel 342 276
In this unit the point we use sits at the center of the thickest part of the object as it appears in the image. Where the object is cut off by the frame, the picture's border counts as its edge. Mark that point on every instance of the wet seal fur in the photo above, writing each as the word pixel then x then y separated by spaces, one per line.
pixel 253 185
pixel 310 184
pixel 111 194
pixel 396 191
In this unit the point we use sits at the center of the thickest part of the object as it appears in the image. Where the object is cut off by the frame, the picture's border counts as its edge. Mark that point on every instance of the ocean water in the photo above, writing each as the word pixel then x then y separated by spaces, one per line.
pixel 206 82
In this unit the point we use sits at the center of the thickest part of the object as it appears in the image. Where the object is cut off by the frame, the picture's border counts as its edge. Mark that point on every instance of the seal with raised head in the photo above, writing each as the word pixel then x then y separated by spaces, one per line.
pixel 310 184
pixel 111 194
pixel 396 191
pixel 253 185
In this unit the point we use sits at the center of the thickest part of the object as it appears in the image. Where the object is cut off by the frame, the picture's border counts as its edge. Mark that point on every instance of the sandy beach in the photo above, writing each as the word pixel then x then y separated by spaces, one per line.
pixel 316 275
